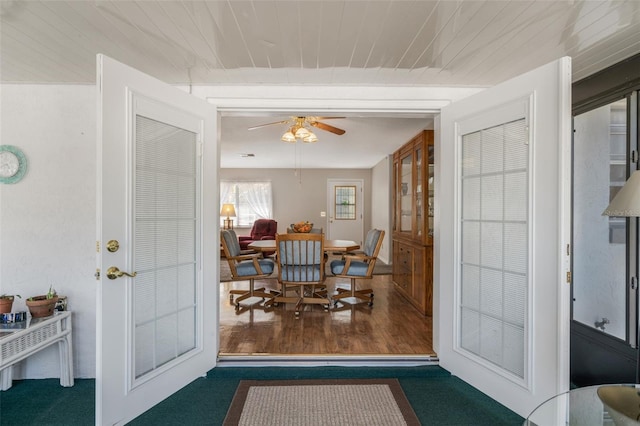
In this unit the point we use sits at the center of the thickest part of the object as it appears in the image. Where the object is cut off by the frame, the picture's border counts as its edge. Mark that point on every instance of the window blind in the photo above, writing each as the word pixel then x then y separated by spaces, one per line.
pixel 494 245
pixel 165 221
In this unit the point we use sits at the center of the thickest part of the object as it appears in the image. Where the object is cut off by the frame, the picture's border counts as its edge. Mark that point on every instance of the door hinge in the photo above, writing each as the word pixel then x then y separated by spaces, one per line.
pixel 634 280
pixel 634 156
pixel 97 274
pixel 97 246
pixel 568 277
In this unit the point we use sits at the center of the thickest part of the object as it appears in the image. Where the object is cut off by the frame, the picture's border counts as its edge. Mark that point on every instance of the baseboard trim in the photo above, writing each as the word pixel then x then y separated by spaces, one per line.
pixel 279 360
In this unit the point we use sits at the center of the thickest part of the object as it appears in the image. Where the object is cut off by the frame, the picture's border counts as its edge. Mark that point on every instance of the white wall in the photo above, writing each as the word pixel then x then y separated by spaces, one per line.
pixel 47 220
pixel 381 177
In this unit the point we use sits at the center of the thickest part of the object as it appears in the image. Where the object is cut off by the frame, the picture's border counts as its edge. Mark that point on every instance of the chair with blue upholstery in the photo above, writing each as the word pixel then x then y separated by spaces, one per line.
pixel 301 270
pixel 245 267
pixel 358 266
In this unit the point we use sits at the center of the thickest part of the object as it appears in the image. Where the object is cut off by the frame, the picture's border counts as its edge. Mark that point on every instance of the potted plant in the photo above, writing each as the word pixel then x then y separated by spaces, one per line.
pixel 43 305
pixel 6 302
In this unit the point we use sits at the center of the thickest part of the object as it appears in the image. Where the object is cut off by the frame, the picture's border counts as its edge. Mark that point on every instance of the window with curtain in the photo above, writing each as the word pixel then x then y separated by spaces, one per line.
pixel 252 200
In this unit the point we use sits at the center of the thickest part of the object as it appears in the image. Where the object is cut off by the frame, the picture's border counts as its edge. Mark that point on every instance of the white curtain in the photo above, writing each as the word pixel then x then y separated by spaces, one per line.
pixel 225 190
pixel 259 198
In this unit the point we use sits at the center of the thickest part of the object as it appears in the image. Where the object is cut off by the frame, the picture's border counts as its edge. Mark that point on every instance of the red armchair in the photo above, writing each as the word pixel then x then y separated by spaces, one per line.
pixel 263 229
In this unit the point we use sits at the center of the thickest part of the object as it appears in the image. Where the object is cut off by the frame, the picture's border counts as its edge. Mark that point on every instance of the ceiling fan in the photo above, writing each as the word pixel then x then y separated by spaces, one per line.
pixel 298 128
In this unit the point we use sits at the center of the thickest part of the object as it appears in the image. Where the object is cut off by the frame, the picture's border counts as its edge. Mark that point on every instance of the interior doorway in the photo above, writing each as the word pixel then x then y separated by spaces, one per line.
pixel 352 328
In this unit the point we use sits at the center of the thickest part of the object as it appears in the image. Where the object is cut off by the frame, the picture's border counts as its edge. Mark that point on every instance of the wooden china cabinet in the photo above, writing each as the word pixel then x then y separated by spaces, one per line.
pixel 413 221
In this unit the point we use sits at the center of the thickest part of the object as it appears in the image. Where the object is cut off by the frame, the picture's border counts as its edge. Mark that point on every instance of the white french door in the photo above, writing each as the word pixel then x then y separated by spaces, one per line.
pixel 501 262
pixel 157 156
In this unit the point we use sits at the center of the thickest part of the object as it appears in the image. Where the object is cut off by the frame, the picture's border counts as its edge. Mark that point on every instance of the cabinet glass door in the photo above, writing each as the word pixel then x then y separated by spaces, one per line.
pixel 430 187
pixel 419 197
pixel 406 191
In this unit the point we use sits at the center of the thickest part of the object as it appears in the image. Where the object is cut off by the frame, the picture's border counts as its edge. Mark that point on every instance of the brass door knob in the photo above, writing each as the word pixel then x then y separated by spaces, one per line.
pixel 113 273
pixel 113 246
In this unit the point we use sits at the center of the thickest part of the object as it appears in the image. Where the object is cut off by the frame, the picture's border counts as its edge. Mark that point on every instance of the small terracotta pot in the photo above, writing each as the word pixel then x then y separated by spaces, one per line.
pixel 40 306
pixel 6 303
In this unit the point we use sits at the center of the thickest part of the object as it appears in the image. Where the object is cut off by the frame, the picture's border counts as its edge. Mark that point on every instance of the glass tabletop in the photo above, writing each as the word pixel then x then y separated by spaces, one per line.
pixel 580 406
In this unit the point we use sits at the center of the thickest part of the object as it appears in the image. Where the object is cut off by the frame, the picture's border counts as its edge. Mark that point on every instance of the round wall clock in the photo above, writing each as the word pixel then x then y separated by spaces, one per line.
pixel 13 164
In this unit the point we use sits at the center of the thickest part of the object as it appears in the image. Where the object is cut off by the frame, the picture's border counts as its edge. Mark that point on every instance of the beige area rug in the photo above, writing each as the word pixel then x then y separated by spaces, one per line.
pixel 341 402
pixel 379 269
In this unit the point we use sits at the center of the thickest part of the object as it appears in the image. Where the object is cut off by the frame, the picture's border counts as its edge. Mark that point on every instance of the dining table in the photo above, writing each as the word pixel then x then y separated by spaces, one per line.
pixel 341 246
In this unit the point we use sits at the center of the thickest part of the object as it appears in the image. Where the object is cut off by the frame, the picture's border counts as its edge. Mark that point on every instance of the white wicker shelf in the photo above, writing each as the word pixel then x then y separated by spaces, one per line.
pixel 23 340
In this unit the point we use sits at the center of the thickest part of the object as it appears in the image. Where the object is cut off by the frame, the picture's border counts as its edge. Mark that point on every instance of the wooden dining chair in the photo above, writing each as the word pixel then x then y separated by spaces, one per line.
pixel 301 261
pixel 245 266
pixel 357 266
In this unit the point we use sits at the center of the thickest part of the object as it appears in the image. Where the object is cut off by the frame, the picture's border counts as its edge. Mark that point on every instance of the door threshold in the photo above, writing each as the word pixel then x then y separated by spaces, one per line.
pixel 302 360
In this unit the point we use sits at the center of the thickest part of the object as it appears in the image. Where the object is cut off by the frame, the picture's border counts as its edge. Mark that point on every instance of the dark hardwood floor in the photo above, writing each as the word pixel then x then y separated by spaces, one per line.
pixel 391 327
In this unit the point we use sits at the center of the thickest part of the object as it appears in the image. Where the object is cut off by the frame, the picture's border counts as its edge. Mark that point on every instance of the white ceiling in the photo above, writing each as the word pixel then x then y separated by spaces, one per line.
pixel 330 43
pixel 367 141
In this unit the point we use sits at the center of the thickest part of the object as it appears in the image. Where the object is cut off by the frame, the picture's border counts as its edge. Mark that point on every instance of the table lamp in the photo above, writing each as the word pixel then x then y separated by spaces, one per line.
pixel 228 210
pixel 626 203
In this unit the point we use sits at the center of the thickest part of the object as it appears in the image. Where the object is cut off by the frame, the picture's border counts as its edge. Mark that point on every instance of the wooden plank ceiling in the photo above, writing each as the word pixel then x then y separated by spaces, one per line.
pixel 414 43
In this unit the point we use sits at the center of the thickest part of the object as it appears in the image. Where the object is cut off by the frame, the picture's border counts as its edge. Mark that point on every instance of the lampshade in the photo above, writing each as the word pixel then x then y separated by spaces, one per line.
pixel 228 210
pixel 301 133
pixel 289 137
pixel 311 137
pixel 626 203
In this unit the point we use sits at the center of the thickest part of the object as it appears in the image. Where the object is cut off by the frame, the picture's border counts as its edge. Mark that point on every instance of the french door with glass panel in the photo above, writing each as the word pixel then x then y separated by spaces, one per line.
pixel 501 261
pixel 157 286
pixel 605 263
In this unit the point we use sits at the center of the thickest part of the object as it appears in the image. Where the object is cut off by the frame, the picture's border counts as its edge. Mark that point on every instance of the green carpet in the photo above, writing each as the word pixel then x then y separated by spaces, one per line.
pixel 45 402
pixel 437 397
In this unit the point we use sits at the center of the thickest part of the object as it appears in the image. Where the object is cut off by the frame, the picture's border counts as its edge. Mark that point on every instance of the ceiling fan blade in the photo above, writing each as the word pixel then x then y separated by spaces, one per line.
pixel 268 124
pixel 327 127
pixel 312 119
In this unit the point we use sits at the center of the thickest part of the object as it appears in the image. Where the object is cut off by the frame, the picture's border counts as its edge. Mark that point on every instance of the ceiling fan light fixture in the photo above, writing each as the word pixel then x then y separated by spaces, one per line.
pixel 298 129
pixel 310 138
pixel 288 136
